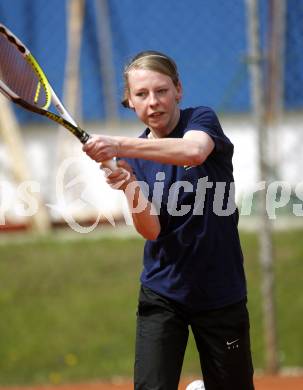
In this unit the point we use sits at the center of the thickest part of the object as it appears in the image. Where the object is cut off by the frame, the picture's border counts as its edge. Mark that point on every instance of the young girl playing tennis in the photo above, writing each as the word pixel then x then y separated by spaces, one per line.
pixel 180 170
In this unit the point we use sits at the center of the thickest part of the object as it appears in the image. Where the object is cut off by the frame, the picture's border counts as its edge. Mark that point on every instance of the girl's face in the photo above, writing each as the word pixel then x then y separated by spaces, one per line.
pixel 154 97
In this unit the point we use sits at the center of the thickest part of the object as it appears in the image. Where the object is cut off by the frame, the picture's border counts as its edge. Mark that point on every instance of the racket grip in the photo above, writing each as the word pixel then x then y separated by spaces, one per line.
pixel 111 164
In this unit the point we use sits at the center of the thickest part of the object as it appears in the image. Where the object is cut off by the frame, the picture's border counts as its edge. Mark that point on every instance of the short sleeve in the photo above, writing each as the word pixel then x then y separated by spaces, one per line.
pixel 205 119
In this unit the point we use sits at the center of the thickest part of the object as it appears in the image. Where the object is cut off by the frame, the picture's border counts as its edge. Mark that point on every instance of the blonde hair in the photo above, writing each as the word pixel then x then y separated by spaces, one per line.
pixel 150 60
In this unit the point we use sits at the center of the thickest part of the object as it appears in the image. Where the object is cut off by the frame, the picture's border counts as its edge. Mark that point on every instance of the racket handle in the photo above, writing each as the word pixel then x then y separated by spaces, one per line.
pixel 111 164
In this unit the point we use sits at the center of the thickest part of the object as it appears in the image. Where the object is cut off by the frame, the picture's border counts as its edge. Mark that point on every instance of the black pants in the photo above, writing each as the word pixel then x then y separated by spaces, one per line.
pixel 221 336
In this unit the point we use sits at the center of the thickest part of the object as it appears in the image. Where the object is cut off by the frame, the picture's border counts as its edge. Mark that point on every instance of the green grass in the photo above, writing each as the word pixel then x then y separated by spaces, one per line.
pixel 67 308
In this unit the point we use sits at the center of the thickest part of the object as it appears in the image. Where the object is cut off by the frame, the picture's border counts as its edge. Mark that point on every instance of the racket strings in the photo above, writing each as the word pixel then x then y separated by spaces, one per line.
pixel 19 74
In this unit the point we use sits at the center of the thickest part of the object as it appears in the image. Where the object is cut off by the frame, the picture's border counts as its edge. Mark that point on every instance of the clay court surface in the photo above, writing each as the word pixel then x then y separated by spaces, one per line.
pixel 261 383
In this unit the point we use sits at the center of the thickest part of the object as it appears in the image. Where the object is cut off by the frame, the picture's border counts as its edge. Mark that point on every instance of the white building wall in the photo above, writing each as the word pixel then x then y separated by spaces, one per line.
pixel 83 193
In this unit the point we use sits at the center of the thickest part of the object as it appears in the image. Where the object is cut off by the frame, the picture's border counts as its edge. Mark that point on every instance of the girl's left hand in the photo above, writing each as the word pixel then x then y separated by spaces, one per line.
pixel 101 148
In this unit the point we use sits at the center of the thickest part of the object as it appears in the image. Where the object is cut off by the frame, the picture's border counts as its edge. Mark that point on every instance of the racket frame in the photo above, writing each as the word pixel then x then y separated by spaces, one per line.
pixel 65 119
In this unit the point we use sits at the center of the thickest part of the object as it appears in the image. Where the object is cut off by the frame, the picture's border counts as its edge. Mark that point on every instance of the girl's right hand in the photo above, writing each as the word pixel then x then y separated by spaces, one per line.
pixel 120 177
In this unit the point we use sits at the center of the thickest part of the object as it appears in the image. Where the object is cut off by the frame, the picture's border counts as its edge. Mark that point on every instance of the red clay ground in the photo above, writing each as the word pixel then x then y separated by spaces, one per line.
pixel 261 383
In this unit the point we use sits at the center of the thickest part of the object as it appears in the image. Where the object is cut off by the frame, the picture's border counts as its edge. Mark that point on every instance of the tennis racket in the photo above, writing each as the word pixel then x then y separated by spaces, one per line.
pixel 23 82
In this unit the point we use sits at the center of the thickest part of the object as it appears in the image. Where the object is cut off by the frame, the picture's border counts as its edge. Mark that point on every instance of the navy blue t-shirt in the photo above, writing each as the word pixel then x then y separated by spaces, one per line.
pixel 196 260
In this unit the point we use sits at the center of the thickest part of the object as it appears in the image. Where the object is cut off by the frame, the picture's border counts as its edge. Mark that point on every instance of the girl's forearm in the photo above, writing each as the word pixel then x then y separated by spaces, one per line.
pixel 176 151
pixel 143 213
